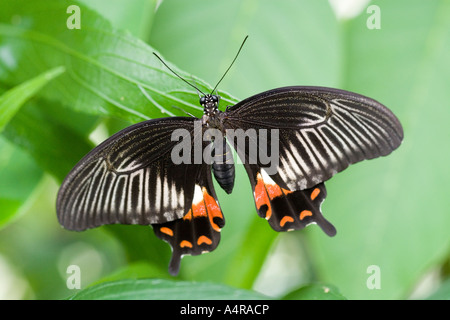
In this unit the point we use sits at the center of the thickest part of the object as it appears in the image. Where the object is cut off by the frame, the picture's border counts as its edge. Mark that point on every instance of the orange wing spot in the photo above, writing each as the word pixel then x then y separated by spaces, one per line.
pixel 261 197
pixel 199 210
pixel 264 192
pixel 167 231
pixel 204 239
pixel 188 216
pixel 185 243
pixel 260 193
pixel 213 209
pixel 285 220
pixel 305 213
pixel 273 190
pixel 211 205
pixel 315 193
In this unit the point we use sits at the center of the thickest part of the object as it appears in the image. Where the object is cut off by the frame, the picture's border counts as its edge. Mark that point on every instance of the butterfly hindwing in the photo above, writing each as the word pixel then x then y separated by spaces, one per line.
pixel 287 210
pixel 199 230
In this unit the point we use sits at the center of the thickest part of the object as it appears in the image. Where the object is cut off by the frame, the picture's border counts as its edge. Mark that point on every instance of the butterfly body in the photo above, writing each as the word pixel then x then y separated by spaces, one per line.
pixel 223 166
pixel 290 140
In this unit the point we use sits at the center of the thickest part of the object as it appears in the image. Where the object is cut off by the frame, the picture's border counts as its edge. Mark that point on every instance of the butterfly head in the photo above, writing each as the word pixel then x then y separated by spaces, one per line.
pixel 210 104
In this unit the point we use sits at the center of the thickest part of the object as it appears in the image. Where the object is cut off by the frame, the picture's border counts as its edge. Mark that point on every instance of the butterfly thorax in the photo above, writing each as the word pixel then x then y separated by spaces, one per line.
pixel 211 111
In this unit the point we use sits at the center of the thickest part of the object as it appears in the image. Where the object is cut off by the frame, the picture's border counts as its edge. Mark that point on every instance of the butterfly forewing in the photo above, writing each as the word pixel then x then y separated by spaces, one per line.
pixel 130 179
pixel 321 131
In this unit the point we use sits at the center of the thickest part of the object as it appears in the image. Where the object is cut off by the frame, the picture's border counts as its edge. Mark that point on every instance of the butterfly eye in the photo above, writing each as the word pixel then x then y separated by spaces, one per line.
pixel 203 100
pixel 215 98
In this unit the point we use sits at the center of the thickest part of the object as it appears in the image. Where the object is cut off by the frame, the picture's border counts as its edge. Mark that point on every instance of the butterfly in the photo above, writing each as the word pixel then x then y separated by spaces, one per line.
pixel 313 132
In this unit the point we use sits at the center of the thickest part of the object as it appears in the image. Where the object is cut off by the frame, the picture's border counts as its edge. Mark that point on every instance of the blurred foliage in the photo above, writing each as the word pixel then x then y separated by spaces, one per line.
pixel 315 292
pixel 390 212
pixel 159 289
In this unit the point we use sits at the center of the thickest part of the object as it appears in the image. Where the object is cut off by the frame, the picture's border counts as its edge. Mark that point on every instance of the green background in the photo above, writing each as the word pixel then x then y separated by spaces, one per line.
pixel 64 91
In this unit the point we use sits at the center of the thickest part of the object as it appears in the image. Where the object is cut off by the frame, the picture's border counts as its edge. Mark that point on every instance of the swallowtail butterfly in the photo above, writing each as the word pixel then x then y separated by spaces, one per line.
pixel 131 177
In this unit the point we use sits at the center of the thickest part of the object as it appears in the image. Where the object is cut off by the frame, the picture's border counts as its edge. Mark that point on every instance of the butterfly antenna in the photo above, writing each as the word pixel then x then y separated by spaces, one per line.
pixel 237 54
pixel 193 80
pixel 187 113
pixel 198 90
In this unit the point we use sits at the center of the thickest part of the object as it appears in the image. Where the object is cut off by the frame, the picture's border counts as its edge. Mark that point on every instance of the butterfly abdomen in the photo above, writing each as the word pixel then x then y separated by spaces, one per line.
pixel 224 174
pixel 223 167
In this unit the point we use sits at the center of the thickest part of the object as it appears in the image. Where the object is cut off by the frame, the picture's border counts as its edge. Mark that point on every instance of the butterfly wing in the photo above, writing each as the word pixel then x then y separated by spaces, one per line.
pixel 130 179
pixel 321 131
pixel 199 230
pixel 287 210
pixel 312 133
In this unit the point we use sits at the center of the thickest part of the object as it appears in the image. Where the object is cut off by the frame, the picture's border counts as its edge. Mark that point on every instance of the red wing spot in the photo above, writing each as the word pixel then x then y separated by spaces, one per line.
pixel 260 193
pixel 167 231
pixel 261 197
pixel 204 239
pixel 285 220
pixel 212 208
pixel 185 243
pixel 188 216
pixel 273 190
pixel 264 192
pixel 315 193
pixel 305 213
pixel 211 205
pixel 199 209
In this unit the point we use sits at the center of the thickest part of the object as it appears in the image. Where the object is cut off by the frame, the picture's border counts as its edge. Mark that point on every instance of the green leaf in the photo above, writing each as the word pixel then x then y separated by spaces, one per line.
pixel 9 208
pixel 12 100
pixel 393 212
pixel 136 16
pixel 249 257
pixel 19 176
pixel 136 270
pixel 51 135
pixel 158 289
pixel 442 293
pixel 109 72
pixel 141 244
pixel 315 292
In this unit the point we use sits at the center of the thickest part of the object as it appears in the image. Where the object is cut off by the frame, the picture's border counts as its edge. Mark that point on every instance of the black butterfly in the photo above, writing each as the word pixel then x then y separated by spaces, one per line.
pixel 131 178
